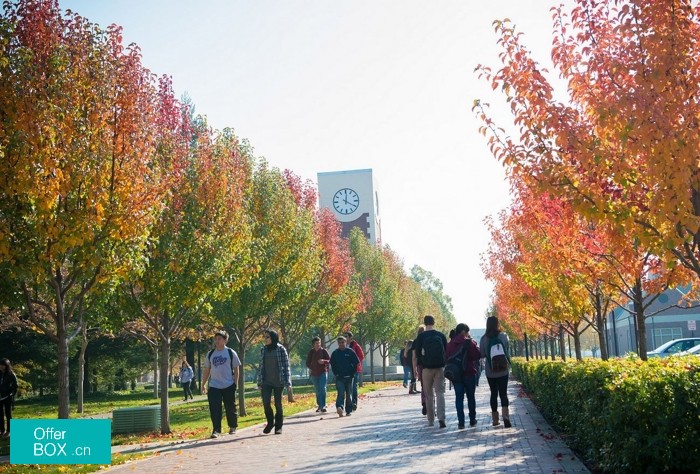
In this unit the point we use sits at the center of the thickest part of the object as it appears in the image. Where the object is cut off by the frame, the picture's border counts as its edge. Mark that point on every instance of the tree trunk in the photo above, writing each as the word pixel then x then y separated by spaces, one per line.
pixel 546 346
pixel 600 327
pixel 562 345
pixel 526 344
pixel 384 352
pixel 81 366
pixel 241 380
pixel 638 301
pixel 552 347
pixel 164 344
pixel 63 368
pixel 577 341
pixel 371 363
pixel 155 372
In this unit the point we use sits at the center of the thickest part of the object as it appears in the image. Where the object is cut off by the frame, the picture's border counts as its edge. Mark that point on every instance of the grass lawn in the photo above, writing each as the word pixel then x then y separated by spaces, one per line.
pixel 187 420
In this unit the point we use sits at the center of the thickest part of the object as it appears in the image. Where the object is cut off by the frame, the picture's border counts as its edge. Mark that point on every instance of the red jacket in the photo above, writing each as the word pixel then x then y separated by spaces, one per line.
pixel 473 352
pixel 360 353
pixel 312 359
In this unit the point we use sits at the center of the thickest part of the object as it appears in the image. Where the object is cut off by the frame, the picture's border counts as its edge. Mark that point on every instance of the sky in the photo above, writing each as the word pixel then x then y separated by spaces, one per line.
pixel 320 85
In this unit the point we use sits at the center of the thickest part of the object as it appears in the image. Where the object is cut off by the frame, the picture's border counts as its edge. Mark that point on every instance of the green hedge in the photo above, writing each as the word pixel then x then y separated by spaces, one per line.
pixel 623 415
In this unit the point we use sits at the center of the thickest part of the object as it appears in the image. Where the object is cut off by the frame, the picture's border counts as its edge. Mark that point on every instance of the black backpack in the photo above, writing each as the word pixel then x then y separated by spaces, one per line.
pixel 454 367
pixel 433 350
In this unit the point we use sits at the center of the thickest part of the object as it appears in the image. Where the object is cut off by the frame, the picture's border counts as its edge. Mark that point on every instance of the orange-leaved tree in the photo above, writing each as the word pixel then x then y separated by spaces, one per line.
pixel 622 144
pixel 200 244
pixel 79 174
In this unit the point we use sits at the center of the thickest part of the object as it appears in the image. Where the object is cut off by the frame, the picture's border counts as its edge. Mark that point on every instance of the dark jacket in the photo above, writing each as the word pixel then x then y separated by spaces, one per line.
pixel 312 359
pixel 344 363
pixel 282 361
pixel 473 353
pixel 8 384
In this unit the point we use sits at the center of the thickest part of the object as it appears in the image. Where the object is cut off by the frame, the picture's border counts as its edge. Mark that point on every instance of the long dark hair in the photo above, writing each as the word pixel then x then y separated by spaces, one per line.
pixel 493 327
pixel 274 338
pixel 6 363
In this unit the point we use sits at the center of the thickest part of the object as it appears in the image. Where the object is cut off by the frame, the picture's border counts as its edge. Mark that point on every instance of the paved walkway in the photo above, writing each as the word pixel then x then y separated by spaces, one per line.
pixel 386 434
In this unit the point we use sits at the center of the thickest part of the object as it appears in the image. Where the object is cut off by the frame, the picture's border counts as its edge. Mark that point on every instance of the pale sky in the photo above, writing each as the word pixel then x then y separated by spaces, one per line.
pixel 321 85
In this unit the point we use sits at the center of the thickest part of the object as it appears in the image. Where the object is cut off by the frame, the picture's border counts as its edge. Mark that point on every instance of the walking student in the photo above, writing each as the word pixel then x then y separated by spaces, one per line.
pixel 430 347
pixel 464 344
pixel 273 378
pixel 406 363
pixel 414 376
pixel 317 360
pixel 418 371
pixel 186 376
pixel 8 390
pixel 344 364
pixel 221 370
pixel 352 344
pixel 494 348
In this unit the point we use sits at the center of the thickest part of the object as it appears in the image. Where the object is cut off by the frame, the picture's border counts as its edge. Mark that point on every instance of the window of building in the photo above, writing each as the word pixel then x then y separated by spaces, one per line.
pixel 663 335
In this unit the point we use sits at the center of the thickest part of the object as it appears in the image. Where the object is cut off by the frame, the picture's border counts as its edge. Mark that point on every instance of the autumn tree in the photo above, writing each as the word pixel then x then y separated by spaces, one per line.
pixel 332 299
pixel 285 259
pixel 620 142
pixel 79 170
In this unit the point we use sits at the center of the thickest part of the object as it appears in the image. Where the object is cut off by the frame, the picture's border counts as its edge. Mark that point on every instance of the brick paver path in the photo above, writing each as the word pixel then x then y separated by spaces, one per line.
pixel 386 434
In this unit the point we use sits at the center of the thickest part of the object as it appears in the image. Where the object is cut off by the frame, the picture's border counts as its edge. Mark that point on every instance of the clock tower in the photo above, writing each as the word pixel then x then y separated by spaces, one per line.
pixel 352 196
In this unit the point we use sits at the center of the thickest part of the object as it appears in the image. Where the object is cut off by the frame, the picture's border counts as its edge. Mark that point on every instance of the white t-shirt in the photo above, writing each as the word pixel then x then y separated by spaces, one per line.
pixel 221 374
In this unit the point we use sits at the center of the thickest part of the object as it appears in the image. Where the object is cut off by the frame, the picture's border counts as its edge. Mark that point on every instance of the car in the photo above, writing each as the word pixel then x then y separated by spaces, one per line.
pixel 692 351
pixel 674 347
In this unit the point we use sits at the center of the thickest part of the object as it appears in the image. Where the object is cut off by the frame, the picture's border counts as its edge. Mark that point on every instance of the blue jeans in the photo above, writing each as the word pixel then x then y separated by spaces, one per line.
pixel 357 377
pixel 320 382
pixel 468 387
pixel 344 386
pixel 407 373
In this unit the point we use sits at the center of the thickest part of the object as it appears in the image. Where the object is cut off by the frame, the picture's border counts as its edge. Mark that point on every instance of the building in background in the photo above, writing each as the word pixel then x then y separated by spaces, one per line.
pixel 353 198
pixel 667 323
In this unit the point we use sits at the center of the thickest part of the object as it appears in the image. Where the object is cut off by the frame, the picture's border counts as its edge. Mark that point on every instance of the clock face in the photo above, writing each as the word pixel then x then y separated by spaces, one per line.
pixel 346 201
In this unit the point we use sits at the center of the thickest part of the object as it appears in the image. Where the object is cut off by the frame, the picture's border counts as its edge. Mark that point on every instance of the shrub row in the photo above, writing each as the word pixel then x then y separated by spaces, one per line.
pixel 624 415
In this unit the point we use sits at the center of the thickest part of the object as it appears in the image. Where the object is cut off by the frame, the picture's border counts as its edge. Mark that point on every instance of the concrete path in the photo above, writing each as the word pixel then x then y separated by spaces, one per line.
pixel 386 434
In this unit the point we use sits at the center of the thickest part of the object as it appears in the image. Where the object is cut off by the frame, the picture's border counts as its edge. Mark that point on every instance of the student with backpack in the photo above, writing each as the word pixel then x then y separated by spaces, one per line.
pixel 221 368
pixel 494 348
pixel 462 351
pixel 430 346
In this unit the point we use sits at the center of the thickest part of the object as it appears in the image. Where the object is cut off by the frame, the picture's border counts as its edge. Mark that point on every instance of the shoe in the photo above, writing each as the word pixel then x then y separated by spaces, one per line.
pixel 318 410
pixel 506 417
pixel 354 406
pixel 278 431
pixel 232 431
pixel 214 434
pixel 431 423
pixel 405 386
pixel 442 424
pixel 425 410
pixel 460 426
pixel 268 428
pixel 323 410
pixel 472 423
pixel 494 418
pixel 339 410
pixel 348 414
pixel 185 399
